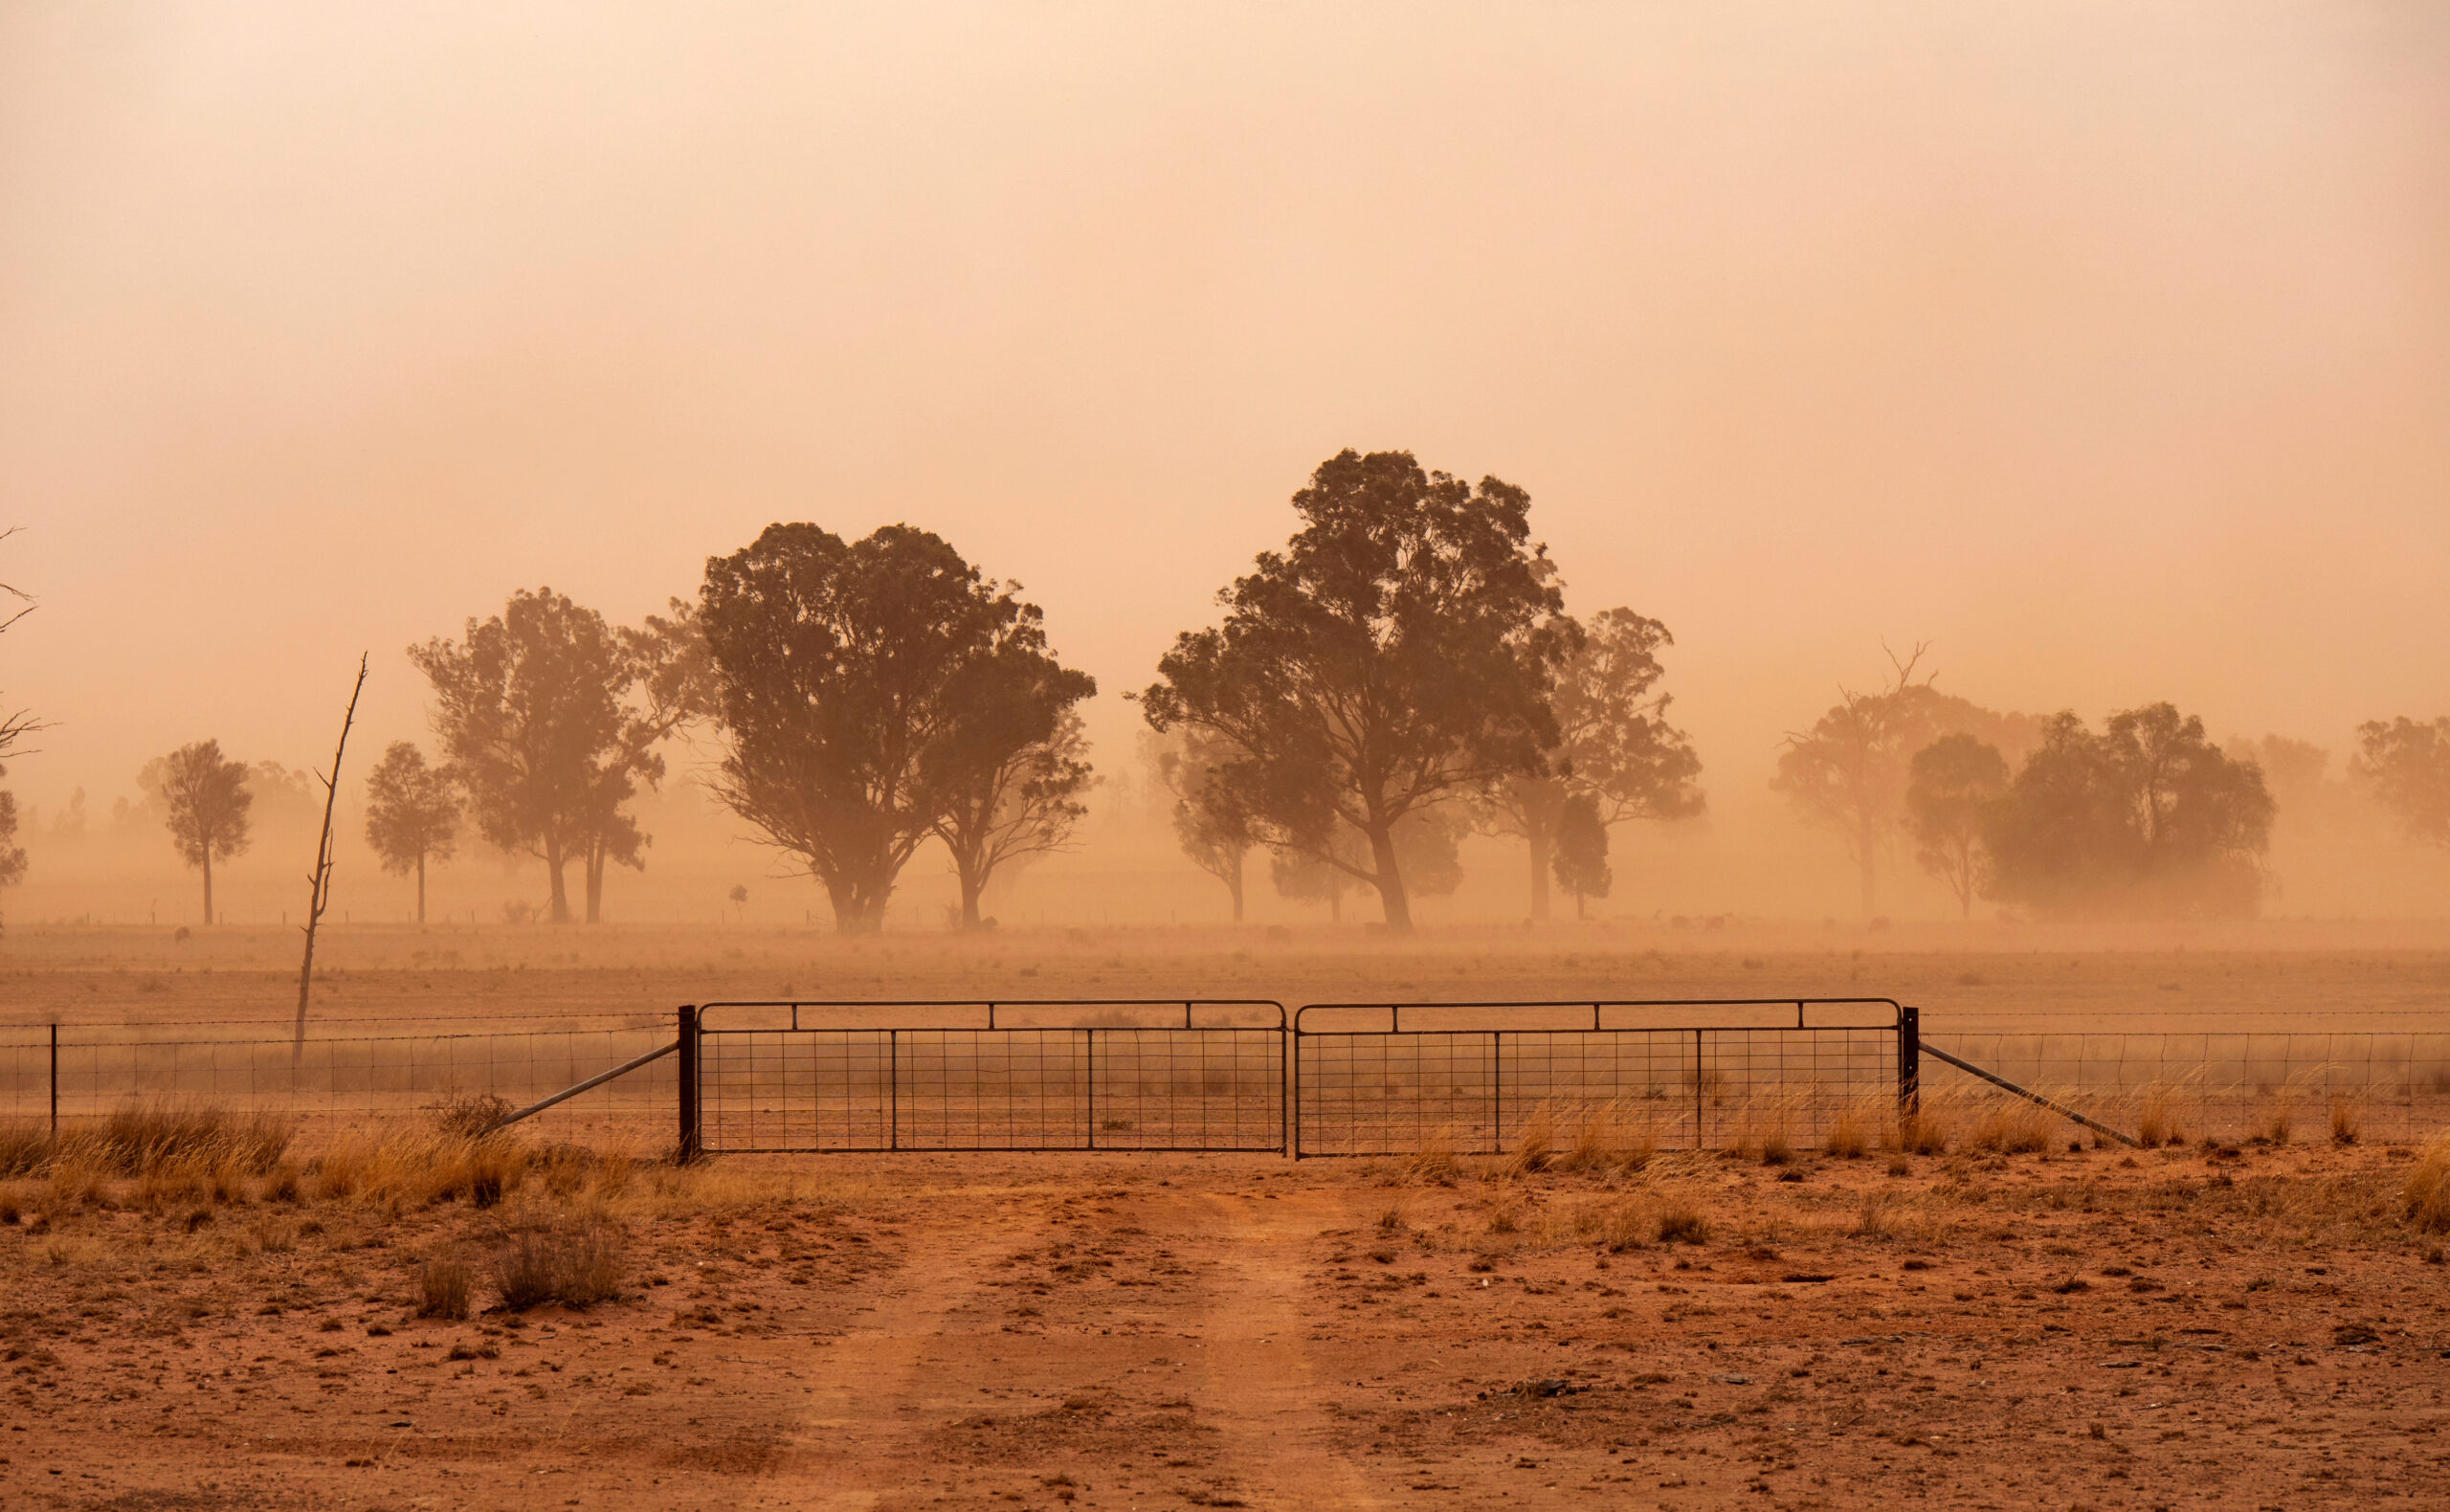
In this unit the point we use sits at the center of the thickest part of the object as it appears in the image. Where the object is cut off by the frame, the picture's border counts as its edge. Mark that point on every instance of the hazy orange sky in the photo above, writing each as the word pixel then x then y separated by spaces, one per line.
pixel 2105 347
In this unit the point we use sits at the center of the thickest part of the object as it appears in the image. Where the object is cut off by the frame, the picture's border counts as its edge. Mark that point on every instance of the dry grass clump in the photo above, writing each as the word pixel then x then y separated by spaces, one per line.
pixel 1535 1145
pixel 442 1289
pixel 2010 1126
pixel 414 1167
pixel 2158 1120
pixel 1849 1135
pixel 2347 1119
pixel 1680 1220
pixel 1606 1139
pixel 571 1258
pixel 1922 1131
pixel 2427 1192
pixel 2274 1123
pixel 1433 1162
pixel 147 1139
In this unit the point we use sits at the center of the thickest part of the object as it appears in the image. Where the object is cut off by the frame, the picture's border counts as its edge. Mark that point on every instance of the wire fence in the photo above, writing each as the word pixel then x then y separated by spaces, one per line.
pixel 332 1081
pixel 1337 1079
pixel 2387 1085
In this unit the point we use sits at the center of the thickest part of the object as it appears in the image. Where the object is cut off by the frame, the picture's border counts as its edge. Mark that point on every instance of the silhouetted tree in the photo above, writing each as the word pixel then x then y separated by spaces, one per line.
pixel 1214 830
pixel 1398 653
pixel 1848 773
pixel 2408 763
pixel 1613 743
pixel 541 721
pixel 2147 815
pixel 205 801
pixel 1951 785
pixel 1581 858
pixel 1012 774
pixel 412 813
pixel 13 856
pixel 840 669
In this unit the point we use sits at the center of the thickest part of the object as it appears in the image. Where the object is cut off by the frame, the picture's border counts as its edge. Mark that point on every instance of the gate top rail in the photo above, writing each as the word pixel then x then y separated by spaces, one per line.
pixel 1190 1008
pixel 1598 1007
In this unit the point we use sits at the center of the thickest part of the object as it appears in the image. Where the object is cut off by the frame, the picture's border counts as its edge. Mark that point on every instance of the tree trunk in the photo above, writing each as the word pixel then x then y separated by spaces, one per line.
pixel 1543 842
pixel 1578 914
pixel 1234 885
pixel 595 859
pixel 208 885
pixel 420 888
pixel 1864 852
pixel 554 860
pixel 1391 879
pixel 973 885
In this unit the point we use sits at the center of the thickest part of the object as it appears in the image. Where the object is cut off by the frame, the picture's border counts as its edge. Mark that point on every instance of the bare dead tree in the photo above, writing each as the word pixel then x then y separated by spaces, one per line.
pixel 319 882
pixel 15 604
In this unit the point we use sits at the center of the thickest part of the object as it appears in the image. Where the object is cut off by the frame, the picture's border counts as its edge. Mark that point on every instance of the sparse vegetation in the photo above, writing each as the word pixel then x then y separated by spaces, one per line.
pixel 571 1258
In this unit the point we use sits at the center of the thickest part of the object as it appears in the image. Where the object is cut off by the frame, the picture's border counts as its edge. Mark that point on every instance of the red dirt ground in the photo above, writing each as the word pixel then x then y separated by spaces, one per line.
pixel 2234 1329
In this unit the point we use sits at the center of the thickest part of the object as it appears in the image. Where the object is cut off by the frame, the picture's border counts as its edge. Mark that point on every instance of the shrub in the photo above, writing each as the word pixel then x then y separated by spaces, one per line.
pixel 469 1113
pixel 442 1289
pixel 574 1260
pixel 2348 1120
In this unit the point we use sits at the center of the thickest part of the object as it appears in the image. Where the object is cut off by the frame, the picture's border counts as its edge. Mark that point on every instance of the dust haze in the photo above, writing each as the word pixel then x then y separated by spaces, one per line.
pixel 2105 354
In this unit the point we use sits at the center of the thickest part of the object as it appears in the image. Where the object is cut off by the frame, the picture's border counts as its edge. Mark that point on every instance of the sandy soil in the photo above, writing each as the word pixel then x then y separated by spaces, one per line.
pixel 2235 1328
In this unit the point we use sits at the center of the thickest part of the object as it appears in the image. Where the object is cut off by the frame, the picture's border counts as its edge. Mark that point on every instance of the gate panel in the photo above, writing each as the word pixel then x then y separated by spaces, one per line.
pixel 1019 1074
pixel 1391 1078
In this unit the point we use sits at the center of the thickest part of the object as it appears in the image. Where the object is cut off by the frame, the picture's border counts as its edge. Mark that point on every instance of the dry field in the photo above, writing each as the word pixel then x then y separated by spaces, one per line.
pixel 235 1317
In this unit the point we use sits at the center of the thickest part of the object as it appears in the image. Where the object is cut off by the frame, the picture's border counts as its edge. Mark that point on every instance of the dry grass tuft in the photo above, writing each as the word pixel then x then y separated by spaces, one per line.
pixel 2347 1119
pixel 2156 1116
pixel 1535 1146
pixel 2010 1126
pixel 1680 1220
pixel 571 1258
pixel 442 1289
pixel 1433 1162
pixel 2427 1192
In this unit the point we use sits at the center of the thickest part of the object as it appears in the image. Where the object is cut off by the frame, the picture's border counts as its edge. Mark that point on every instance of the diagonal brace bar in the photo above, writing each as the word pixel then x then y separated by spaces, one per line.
pixel 2026 1092
pixel 568 1093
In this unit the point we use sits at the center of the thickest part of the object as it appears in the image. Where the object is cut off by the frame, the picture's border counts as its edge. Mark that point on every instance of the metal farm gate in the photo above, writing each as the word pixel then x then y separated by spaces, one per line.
pixel 1071 1074
pixel 1377 1078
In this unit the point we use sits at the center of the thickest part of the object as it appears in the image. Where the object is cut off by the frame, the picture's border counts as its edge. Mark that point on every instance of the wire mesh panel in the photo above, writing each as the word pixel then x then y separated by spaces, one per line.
pixel 2216 1085
pixel 1017 1076
pixel 330 1082
pixel 1393 1079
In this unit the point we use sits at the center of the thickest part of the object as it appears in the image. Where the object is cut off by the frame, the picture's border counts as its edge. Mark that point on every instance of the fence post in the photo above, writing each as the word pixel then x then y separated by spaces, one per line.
pixel 55 1084
pixel 692 1140
pixel 1700 1091
pixel 1909 1060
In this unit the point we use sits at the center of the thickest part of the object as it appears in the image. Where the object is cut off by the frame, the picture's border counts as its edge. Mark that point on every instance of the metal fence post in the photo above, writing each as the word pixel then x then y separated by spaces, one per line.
pixel 55 1083
pixel 1909 1060
pixel 1700 1091
pixel 692 1139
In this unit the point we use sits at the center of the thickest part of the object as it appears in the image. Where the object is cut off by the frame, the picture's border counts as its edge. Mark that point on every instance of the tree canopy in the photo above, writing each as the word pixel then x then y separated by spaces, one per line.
pixel 1397 652
pixel 1849 772
pixel 2147 816
pixel 1210 822
pixel 205 802
pixel 1582 850
pixel 1614 745
pixel 412 813
pixel 1950 785
pixel 2408 763
pixel 548 719
pixel 868 690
